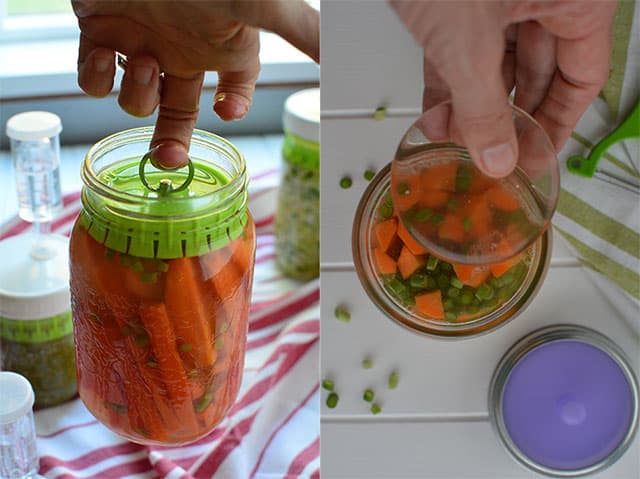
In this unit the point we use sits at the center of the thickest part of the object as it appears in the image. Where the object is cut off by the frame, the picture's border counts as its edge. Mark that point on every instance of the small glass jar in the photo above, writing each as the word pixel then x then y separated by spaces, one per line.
pixel 426 294
pixel 297 219
pixel 19 458
pixel 36 332
pixel 161 275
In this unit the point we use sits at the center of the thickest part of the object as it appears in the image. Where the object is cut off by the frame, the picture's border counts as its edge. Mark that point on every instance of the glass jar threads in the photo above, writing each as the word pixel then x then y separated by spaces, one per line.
pixel 161 275
pixel 297 220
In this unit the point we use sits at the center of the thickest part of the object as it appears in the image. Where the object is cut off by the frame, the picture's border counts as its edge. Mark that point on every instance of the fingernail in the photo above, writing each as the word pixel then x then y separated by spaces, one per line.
pixel 142 74
pixel 101 65
pixel 498 160
pixel 235 106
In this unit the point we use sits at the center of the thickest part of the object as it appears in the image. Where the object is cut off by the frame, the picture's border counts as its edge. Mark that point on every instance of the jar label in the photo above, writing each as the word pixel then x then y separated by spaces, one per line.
pixel 36 330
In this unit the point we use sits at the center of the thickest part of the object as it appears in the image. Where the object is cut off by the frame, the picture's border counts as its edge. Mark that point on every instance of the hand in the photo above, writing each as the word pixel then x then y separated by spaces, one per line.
pixel 182 40
pixel 555 53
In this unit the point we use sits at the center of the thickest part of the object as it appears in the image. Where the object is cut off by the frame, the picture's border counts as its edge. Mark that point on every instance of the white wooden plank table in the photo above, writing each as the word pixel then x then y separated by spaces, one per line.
pixel 435 424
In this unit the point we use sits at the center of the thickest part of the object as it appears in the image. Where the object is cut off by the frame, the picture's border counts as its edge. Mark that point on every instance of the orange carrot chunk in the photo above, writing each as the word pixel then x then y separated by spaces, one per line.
pixel 472 275
pixel 412 245
pixel 406 190
pixel 434 198
pixel 384 262
pixel 451 228
pixel 503 248
pixel 385 232
pixel 430 304
pixel 441 177
pixel 408 263
pixel 499 197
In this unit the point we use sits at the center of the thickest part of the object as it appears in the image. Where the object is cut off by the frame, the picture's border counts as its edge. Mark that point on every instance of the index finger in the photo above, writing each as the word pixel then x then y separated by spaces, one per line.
pixel 178 113
pixel 582 71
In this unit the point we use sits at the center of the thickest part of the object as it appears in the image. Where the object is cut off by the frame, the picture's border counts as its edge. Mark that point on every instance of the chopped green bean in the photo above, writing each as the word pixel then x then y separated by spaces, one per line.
pixel 466 298
pixel 448 304
pixel 484 292
pixel 380 113
pixel 393 380
pixel 403 189
pixel 375 408
pixel 418 281
pixel 332 400
pixel 453 292
pixel 456 283
pixel 342 314
pixel 443 281
pixel 368 395
pixel 386 211
pixel 327 384
pixel 432 263
pixel 463 178
pixel 450 316
pixel 345 182
pixel 423 215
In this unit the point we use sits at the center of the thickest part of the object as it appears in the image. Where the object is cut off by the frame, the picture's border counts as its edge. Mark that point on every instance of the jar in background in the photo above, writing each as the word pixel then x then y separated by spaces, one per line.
pixel 19 458
pixel 36 332
pixel 426 294
pixel 297 219
pixel 161 275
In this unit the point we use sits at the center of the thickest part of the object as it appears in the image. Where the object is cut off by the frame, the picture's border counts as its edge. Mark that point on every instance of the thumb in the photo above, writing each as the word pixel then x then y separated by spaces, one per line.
pixel 482 118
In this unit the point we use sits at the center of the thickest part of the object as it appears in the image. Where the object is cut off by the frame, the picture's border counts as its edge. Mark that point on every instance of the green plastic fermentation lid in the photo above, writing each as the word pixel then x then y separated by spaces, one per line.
pixel 133 208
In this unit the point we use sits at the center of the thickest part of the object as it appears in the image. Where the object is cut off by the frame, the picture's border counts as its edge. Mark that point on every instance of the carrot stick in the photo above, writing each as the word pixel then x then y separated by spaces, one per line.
pixel 163 342
pixel 186 304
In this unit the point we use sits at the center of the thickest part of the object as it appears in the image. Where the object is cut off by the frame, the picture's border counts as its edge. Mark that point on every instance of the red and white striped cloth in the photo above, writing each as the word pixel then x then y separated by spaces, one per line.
pixel 272 431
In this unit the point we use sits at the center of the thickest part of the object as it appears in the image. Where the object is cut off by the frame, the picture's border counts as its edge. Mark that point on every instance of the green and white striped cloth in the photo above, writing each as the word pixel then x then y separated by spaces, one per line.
pixel 601 221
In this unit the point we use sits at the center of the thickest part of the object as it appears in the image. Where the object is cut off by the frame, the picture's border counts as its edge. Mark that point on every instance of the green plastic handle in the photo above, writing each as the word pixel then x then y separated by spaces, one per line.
pixel 630 128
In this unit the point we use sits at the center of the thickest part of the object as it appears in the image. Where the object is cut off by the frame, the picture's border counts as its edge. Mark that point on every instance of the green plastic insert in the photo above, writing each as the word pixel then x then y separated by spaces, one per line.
pixel 36 330
pixel 301 152
pixel 203 217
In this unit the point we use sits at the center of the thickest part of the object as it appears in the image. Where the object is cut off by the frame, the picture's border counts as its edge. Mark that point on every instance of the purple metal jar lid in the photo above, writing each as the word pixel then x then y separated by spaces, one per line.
pixel 564 401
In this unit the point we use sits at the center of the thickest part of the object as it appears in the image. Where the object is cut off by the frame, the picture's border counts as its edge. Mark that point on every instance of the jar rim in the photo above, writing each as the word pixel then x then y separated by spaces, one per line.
pixel 363 262
pixel 201 137
pixel 189 223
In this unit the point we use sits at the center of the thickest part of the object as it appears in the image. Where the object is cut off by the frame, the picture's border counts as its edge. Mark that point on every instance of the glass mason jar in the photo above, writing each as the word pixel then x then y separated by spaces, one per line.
pixel 426 294
pixel 161 275
pixel 36 331
pixel 297 219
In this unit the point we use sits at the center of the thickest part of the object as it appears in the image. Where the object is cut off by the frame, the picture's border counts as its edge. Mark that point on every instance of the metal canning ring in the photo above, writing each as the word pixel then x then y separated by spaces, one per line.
pixel 166 186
